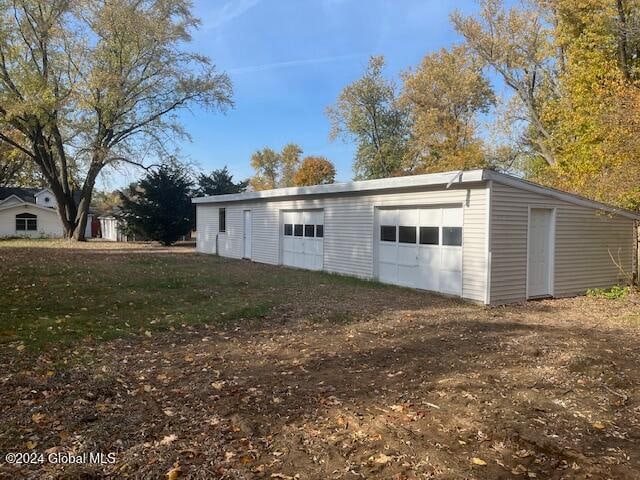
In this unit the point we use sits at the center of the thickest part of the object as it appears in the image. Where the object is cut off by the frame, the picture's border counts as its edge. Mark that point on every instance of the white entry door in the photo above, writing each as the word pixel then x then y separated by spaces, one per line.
pixel 421 248
pixel 247 234
pixel 540 247
pixel 302 234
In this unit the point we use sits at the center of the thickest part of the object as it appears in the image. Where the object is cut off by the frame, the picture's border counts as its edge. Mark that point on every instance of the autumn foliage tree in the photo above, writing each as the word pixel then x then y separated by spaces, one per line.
pixel 91 84
pixel 368 112
pixel 314 171
pixel 445 95
pixel 595 117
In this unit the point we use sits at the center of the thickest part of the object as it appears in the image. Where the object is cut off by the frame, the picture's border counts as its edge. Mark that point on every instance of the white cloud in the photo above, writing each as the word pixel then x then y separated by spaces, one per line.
pixel 291 63
pixel 230 10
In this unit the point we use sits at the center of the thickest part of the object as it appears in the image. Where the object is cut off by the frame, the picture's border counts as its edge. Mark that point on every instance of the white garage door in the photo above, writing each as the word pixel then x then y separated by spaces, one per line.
pixel 421 248
pixel 302 239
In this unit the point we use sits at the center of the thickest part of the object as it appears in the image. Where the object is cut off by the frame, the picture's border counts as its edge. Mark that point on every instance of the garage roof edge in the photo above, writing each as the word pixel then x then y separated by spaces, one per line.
pixel 522 184
pixel 446 179
pixel 455 177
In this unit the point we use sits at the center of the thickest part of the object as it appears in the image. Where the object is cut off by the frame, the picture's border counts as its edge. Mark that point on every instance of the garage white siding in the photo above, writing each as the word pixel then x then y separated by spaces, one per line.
pixel 349 229
pixel 585 241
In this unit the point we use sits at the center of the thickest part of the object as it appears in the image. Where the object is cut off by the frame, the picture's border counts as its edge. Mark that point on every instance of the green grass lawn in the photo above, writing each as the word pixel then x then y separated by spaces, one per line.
pixel 59 292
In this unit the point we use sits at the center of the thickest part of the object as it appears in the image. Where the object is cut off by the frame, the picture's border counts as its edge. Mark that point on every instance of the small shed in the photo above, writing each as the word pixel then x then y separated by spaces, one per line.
pixel 479 234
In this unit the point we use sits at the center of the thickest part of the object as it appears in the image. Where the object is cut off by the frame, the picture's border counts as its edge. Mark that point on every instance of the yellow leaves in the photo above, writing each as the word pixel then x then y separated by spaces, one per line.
pixel 598 425
pixel 168 439
pixel 174 473
pixel 31 444
pixel 380 459
pixel 217 385
pixel 478 461
pixel 38 418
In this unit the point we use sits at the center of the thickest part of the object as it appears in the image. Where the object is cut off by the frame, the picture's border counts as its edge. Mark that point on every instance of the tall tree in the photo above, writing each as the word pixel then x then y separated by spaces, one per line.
pixel 290 157
pixel 314 171
pixel 92 83
pixel 161 206
pixel 275 169
pixel 596 118
pixel 445 95
pixel 517 43
pixel 267 164
pixel 219 182
pixel 367 111
pixel 15 168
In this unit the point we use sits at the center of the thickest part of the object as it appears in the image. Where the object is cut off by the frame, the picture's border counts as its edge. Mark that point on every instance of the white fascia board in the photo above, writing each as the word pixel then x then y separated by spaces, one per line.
pixel 28 205
pixel 13 195
pixel 350 187
pixel 559 194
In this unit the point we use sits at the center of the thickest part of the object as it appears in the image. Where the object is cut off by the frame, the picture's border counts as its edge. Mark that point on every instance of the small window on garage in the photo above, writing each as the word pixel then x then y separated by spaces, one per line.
pixel 298 229
pixel 319 231
pixel 288 229
pixel 407 234
pixel 26 222
pixel 388 233
pixel 429 236
pixel 309 230
pixel 222 220
pixel 452 236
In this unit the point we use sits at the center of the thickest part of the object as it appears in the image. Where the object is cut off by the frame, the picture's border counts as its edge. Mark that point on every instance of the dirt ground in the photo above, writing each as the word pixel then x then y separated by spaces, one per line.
pixel 385 383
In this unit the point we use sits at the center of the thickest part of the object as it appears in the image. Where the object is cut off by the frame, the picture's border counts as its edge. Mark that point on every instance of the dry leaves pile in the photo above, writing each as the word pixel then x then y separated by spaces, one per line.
pixel 423 388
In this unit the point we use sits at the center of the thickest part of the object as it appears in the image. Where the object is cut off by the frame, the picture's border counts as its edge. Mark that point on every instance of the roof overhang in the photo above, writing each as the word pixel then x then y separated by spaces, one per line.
pixel 433 179
pixel 445 179
pixel 28 205
pixel 559 194
pixel 13 195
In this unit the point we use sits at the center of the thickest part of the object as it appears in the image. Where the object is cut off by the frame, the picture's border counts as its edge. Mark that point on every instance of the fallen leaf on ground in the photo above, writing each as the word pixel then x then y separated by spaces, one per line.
pixel 478 461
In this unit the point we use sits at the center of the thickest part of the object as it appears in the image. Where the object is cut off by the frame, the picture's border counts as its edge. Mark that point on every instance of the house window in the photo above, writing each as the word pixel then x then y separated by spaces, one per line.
pixel 288 229
pixel 222 220
pixel 309 230
pixel 297 230
pixel 429 236
pixel 388 233
pixel 452 236
pixel 407 234
pixel 26 222
pixel 319 231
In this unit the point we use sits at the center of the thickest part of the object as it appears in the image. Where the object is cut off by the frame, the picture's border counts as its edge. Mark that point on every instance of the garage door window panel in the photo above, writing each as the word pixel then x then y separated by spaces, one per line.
pixel 319 231
pixel 298 230
pixel 288 229
pixel 452 236
pixel 429 235
pixel 388 233
pixel 407 234
pixel 309 230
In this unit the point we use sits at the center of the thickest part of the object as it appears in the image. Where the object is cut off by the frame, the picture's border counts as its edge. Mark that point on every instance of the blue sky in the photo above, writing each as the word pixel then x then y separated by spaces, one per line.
pixel 289 59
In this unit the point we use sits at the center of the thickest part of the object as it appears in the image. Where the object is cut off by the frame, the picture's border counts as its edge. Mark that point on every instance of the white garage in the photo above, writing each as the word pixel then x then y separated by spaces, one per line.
pixel 480 235
pixel 421 248
pixel 303 239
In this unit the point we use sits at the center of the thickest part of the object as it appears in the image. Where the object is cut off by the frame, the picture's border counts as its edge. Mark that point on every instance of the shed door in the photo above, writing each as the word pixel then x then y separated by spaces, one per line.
pixel 247 234
pixel 539 271
pixel 302 234
pixel 421 248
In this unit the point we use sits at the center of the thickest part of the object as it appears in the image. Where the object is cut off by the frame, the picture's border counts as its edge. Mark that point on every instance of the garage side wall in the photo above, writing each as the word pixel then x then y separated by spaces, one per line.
pixel 585 242
pixel 349 230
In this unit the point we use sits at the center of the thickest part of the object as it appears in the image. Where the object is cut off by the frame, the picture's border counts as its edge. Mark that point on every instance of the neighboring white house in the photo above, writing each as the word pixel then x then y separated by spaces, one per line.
pixel 30 212
pixel 479 234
